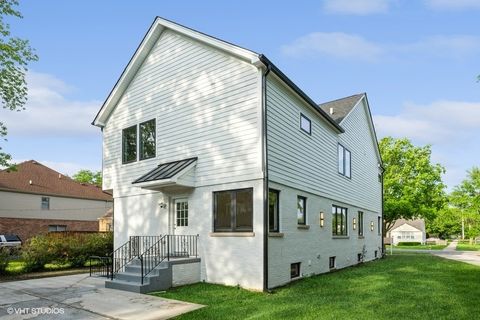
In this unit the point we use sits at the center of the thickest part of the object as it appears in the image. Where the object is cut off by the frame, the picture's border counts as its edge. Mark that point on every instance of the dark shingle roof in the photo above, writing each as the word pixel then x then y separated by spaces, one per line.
pixel 341 107
pixel 166 170
pixel 33 177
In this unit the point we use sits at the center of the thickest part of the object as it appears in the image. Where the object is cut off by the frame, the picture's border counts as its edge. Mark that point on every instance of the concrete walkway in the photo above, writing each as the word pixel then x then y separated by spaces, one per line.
pixel 81 297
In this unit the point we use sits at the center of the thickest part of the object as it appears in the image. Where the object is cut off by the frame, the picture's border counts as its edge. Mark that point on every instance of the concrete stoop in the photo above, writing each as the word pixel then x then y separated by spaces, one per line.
pixel 160 278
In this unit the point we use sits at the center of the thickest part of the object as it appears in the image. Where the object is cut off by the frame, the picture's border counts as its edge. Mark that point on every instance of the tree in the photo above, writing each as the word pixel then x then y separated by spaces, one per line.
pixel 15 54
pixel 447 222
pixel 87 176
pixel 412 185
pixel 466 198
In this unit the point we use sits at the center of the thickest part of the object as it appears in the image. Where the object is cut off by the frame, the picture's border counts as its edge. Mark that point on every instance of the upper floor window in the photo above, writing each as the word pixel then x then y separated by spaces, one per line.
pixel 45 203
pixel 305 124
pixel 147 139
pixel 233 210
pixel 344 161
pixel 339 221
pixel 301 210
pixel 140 140
pixel 273 212
pixel 129 144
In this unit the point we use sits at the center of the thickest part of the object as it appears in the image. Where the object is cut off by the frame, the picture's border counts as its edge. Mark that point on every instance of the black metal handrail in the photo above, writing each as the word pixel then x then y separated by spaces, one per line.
pixel 166 248
pixel 100 266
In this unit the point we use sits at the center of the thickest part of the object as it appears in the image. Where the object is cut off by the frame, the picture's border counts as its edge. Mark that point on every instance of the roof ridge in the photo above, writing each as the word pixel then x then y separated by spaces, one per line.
pixel 350 96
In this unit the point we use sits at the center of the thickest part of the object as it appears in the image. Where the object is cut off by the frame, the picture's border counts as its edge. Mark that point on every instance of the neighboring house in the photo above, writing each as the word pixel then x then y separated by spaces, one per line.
pixel 408 231
pixel 204 137
pixel 35 199
pixel 105 222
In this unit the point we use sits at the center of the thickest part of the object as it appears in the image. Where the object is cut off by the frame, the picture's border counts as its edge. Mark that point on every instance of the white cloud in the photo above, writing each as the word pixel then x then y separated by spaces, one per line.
pixel 453 4
pixel 355 7
pixel 451 127
pixel 355 47
pixel 50 112
pixel 337 44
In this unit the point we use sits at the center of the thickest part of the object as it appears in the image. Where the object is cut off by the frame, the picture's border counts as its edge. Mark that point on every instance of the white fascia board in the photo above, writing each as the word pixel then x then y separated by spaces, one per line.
pixel 143 50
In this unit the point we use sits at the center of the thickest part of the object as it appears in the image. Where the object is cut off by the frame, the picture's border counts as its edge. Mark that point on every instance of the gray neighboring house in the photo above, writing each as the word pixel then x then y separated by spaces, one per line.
pixel 204 138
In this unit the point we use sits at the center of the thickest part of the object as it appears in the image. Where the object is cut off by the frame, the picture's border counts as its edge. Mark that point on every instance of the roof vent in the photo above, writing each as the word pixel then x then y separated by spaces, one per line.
pixel 331 110
pixel 30 182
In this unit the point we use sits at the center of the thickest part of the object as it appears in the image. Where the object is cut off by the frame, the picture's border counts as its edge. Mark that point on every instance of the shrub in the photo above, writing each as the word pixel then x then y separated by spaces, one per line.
pixel 71 249
pixel 409 244
pixel 4 258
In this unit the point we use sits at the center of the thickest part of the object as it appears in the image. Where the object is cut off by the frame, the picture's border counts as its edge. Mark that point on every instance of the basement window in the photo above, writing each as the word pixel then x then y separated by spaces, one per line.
pixel 331 262
pixel 295 270
pixel 56 228
pixel 305 124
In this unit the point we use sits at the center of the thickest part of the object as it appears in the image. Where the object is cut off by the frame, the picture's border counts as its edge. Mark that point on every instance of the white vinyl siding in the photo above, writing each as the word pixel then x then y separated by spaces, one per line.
pixel 206 104
pixel 312 164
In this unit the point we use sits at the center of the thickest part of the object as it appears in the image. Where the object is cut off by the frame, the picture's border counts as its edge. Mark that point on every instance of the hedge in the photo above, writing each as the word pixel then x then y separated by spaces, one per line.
pixel 65 249
pixel 409 244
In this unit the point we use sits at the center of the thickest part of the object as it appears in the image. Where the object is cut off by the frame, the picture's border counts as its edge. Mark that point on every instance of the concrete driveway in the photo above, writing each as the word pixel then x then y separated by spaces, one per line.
pixel 81 297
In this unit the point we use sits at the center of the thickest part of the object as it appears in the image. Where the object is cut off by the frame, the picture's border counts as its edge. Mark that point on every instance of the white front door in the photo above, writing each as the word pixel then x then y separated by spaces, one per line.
pixel 180 216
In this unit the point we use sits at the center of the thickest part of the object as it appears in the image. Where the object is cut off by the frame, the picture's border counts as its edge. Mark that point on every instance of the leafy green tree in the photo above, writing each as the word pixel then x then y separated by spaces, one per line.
pixel 466 197
pixel 413 186
pixel 87 176
pixel 15 54
pixel 447 222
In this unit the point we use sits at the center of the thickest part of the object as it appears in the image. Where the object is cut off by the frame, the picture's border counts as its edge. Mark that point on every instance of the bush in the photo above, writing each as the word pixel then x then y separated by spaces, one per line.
pixel 409 244
pixel 65 249
pixel 4 259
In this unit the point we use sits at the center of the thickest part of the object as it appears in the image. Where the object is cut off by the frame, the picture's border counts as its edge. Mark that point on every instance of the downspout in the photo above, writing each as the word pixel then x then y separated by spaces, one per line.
pixel 265 177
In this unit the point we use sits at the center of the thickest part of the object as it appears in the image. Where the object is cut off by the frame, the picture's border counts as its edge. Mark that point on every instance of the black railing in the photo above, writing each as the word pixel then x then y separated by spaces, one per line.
pixel 100 266
pixel 140 244
pixel 166 248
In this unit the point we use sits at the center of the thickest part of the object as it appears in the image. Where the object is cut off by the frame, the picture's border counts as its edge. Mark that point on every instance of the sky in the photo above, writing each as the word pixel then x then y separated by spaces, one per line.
pixel 417 60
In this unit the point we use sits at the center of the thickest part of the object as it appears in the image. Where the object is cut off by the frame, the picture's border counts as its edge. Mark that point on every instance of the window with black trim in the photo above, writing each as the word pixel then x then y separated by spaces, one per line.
pixel 331 262
pixel 129 144
pixel 344 161
pixel 359 257
pixel 301 210
pixel 379 225
pixel 45 203
pixel 339 221
pixel 295 270
pixel 360 223
pixel 376 253
pixel 305 124
pixel 273 211
pixel 233 210
pixel 147 139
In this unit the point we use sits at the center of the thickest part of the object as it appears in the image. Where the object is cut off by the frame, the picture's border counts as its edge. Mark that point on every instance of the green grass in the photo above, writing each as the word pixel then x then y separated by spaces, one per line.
pixel 468 247
pixel 413 286
pixel 18 267
pixel 421 247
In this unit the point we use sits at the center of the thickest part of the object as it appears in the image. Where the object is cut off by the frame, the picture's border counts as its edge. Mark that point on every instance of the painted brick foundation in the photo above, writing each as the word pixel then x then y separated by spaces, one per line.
pixel 27 228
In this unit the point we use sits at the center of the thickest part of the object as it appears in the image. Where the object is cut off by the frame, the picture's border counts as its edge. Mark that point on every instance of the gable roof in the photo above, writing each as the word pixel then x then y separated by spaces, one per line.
pixel 46 181
pixel 149 40
pixel 341 107
pixel 417 224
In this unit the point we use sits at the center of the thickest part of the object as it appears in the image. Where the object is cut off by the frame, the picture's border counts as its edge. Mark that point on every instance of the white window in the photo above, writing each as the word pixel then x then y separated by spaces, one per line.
pixel 344 161
pixel 181 209
pixel 45 203
pixel 305 124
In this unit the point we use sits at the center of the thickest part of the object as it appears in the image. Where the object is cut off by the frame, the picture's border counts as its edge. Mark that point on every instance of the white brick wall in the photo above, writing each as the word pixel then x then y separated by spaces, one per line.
pixel 186 273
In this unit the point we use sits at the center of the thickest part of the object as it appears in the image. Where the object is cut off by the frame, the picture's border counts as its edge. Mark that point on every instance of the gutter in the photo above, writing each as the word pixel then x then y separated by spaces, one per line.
pixel 303 95
pixel 265 177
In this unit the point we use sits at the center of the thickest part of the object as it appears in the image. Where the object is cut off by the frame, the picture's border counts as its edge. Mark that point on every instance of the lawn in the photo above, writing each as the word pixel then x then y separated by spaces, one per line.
pixel 468 247
pixel 413 286
pixel 420 247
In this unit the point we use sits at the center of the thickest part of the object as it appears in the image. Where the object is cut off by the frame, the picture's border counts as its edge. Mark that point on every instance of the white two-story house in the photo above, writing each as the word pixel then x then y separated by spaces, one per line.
pixel 202 137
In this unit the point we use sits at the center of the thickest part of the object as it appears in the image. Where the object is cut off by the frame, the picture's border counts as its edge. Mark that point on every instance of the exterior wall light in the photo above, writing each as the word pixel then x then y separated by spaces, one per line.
pixel 354 223
pixel 372 225
pixel 322 219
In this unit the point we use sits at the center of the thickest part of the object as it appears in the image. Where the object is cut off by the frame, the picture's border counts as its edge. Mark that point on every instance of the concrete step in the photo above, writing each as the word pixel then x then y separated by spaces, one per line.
pixel 131 277
pixel 126 286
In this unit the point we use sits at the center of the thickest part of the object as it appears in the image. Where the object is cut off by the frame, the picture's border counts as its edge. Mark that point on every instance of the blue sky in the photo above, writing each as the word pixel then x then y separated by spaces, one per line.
pixel 417 61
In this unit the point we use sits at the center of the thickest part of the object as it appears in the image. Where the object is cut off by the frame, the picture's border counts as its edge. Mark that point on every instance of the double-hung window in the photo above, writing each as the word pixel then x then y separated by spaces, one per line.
pixel 301 210
pixel 273 212
pixel 339 221
pixel 344 161
pixel 233 210
pixel 45 203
